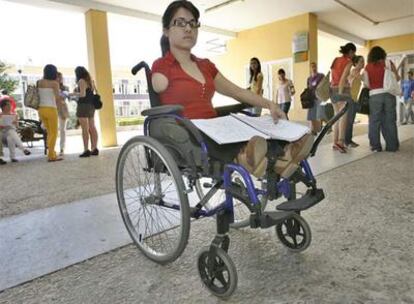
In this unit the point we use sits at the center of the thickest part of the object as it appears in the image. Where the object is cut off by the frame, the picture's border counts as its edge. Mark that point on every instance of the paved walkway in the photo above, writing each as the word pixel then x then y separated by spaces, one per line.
pixel 361 252
pixel 83 229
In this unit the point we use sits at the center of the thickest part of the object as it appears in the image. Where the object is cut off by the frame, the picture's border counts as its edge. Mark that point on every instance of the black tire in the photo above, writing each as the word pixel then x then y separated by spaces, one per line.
pixel 222 281
pixel 294 232
pixel 144 170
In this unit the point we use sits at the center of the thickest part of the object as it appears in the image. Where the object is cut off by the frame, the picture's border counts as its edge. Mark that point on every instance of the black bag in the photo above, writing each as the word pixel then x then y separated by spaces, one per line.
pixel 96 100
pixel 363 101
pixel 307 98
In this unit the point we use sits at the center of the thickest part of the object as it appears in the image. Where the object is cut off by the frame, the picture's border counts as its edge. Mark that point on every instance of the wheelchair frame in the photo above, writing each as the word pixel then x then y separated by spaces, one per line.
pixel 217 271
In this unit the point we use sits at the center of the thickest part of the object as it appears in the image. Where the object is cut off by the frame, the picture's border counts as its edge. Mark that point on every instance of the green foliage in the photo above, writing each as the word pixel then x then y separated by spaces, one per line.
pixel 6 83
pixel 129 121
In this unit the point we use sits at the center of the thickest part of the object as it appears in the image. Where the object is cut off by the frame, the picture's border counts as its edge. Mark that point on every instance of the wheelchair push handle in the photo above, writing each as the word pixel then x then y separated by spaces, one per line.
pixel 153 96
pixel 328 126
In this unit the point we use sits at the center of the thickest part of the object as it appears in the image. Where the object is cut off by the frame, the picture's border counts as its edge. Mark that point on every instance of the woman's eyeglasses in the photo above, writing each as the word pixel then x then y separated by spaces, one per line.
pixel 181 22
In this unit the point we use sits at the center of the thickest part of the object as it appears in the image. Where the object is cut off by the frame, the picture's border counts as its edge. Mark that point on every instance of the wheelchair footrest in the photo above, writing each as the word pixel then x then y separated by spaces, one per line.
pixel 268 219
pixel 311 198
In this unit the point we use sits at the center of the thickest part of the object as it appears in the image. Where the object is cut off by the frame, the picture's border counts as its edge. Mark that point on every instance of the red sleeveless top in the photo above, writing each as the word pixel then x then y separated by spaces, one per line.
pixel 337 69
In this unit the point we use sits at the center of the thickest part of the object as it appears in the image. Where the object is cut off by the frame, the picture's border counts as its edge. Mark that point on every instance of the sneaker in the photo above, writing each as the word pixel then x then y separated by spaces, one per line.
pixel 26 152
pixel 376 149
pixel 353 144
pixel 339 147
pixel 404 123
pixel 95 152
pixel 13 160
pixel 2 162
pixel 87 153
pixel 62 152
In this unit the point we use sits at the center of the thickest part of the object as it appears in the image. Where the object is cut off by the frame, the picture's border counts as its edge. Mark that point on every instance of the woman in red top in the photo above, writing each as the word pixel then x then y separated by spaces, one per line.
pixel 341 92
pixel 181 78
pixel 382 104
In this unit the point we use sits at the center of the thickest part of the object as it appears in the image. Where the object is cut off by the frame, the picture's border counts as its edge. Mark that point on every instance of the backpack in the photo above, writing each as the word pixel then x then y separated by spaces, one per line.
pixel 31 97
pixel 307 98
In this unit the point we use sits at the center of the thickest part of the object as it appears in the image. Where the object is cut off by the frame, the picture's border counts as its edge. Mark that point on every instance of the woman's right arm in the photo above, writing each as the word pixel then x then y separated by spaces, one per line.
pixel 56 91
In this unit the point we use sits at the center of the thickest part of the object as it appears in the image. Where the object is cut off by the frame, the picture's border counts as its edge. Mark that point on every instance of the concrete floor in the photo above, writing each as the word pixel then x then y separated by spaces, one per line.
pixel 361 252
pixel 358 255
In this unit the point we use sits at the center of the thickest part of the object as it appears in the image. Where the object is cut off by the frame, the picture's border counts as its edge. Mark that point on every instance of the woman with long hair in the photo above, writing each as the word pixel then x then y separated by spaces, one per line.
pixel 85 111
pixel 181 78
pixel 382 104
pixel 341 92
pixel 256 82
pixel 49 95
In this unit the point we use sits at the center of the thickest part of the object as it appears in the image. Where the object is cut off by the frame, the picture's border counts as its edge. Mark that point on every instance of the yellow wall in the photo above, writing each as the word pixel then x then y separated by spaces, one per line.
pixel 394 44
pixel 271 42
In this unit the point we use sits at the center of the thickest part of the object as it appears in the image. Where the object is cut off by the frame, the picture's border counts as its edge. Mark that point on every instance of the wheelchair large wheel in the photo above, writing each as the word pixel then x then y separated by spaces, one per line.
pixel 152 199
pixel 294 233
pixel 221 277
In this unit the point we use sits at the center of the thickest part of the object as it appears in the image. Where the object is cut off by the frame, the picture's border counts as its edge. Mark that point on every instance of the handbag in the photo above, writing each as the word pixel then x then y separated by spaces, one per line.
pixel 322 89
pixel 97 102
pixel 31 97
pixel 363 101
pixel 307 98
pixel 390 82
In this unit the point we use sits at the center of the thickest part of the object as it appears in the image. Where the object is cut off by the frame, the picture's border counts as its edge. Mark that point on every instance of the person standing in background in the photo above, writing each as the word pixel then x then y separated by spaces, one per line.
pixel 341 92
pixel 63 113
pixel 49 96
pixel 382 104
pixel 284 92
pixel 407 88
pixel 355 80
pixel 314 112
pixel 256 83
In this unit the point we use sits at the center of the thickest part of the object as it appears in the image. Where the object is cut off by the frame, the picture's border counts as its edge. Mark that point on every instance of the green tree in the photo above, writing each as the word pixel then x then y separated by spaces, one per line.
pixel 6 83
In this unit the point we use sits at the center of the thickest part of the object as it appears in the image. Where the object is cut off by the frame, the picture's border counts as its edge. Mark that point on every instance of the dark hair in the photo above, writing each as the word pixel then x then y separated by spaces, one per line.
pixel 169 14
pixel 4 92
pixel 376 54
pixel 345 49
pixel 281 71
pixel 82 73
pixel 50 72
pixel 411 73
pixel 4 102
pixel 356 59
pixel 259 69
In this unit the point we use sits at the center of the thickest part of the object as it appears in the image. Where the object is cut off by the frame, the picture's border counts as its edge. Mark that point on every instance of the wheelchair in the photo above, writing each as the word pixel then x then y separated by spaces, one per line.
pixel 156 172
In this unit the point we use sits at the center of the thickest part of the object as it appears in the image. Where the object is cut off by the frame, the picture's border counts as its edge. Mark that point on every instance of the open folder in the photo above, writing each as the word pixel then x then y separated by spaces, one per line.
pixel 238 128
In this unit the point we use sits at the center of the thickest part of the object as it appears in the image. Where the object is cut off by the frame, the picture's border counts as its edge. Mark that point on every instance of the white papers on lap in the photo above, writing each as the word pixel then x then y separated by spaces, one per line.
pixel 226 129
pixel 283 129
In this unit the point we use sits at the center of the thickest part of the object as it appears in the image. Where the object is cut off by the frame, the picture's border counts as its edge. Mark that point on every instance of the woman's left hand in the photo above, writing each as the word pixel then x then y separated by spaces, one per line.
pixel 276 112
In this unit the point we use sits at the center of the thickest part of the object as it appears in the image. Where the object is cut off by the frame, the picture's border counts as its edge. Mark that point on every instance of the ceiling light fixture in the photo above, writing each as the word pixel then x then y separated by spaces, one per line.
pixel 220 5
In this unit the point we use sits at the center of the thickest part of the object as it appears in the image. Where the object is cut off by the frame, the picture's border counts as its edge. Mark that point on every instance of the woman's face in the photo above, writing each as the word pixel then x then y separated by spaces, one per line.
pixel 254 65
pixel 282 76
pixel 183 30
pixel 7 108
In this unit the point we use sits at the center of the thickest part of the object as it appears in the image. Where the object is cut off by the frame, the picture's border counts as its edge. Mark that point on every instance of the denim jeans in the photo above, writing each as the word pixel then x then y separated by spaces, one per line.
pixel 383 118
pixel 351 113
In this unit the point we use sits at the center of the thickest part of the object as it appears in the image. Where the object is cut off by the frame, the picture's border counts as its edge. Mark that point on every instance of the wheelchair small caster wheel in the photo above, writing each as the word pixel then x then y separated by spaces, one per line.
pixel 294 233
pixel 218 275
